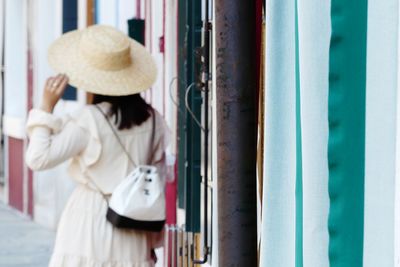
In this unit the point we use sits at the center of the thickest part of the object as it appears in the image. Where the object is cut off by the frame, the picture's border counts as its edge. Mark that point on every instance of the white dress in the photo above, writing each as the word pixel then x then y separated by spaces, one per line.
pixel 84 237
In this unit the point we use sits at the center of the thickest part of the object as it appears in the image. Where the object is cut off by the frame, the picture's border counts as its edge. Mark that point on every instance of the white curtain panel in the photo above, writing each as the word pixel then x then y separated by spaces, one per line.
pixel 314 37
pixel 278 221
pixel 380 141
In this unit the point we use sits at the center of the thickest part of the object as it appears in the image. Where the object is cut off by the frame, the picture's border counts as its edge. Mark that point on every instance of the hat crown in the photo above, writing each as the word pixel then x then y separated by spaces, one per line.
pixel 103 60
pixel 105 48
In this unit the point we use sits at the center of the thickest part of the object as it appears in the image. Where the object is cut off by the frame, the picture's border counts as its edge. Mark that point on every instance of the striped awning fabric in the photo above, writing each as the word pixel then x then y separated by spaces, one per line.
pixel 331 189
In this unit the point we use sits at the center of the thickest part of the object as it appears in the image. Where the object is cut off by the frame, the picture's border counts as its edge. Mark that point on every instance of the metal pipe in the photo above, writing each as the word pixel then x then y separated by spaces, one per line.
pixel 206 79
pixel 166 245
pixel 236 77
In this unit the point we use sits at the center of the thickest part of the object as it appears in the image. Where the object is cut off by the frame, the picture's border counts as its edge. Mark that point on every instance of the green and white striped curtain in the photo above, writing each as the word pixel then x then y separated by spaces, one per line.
pixel 332 134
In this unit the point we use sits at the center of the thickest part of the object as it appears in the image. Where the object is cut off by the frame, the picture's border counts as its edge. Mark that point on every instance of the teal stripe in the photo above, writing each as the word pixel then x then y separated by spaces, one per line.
pixel 299 158
pixel 346 145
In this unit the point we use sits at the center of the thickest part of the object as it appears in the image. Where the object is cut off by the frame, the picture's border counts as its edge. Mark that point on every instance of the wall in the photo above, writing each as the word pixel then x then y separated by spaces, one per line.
pixel 3 196
pixel 53 186
pixel 15 99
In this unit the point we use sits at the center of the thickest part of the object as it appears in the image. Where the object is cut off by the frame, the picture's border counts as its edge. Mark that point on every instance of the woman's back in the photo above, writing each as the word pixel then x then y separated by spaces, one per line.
pixel 104 161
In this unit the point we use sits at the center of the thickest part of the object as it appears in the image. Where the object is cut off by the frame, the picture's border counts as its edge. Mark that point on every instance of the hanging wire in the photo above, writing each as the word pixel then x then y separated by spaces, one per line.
pixel 189 109
pixel 171 96
pixel 186 101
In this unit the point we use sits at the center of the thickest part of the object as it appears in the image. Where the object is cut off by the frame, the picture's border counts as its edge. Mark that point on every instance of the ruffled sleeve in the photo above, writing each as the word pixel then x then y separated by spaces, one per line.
pixel 40 118
pixel 52 140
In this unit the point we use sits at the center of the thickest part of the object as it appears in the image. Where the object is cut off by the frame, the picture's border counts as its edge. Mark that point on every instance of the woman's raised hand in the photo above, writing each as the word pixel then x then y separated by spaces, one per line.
pixel 53 91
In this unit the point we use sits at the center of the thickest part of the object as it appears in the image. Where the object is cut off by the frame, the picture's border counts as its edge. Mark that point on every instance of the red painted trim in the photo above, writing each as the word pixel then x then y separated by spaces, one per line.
pixel 178 82
pixel 147 26
pixel 150 20
pixel 172 249
pixel 164 53
pixel 16 173
pixel 138 9
pixel 145 20
pixel 30 194
pixel 30 80
pixel 171 202
pixel 171 189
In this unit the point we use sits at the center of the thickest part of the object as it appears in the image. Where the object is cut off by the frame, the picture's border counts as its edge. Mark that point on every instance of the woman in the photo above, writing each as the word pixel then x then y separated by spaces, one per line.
pixel 103 61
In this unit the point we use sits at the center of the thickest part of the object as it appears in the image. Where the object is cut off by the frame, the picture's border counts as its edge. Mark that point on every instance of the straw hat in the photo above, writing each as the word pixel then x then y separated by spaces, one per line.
pixel 103 60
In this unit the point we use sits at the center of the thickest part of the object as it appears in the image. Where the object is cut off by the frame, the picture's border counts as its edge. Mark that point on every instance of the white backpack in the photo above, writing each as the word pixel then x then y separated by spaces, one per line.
pixel 138 201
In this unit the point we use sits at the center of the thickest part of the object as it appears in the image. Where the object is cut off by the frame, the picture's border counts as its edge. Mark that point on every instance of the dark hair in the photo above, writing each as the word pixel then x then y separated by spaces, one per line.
pixel 129 110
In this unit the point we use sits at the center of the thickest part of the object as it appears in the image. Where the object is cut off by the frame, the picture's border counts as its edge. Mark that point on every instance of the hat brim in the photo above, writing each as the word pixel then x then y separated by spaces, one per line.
pixel 64 57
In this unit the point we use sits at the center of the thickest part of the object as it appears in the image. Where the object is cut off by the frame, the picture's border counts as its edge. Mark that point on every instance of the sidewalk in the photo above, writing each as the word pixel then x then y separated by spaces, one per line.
pixel 23 243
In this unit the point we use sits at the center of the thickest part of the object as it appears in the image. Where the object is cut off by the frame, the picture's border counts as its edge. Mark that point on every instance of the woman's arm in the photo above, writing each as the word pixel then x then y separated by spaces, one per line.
pixel 53 91
pixel 47 149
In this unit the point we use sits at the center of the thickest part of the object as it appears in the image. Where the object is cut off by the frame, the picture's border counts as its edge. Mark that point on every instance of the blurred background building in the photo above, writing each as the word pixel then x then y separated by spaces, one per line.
pixel 174 32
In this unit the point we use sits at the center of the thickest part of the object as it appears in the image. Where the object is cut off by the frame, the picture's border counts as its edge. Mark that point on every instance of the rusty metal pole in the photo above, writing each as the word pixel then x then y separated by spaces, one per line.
pixel 236 78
